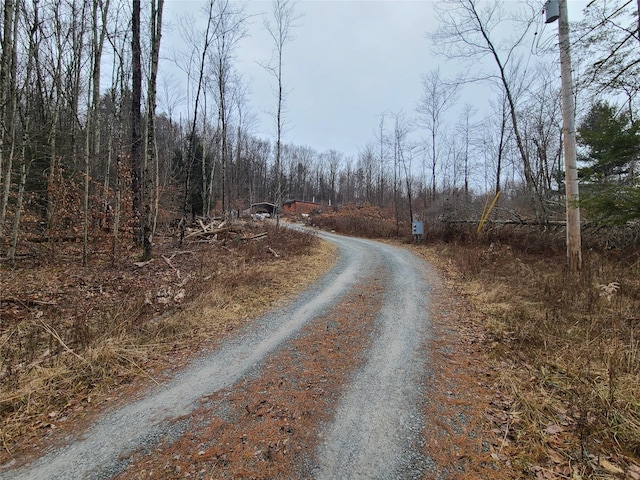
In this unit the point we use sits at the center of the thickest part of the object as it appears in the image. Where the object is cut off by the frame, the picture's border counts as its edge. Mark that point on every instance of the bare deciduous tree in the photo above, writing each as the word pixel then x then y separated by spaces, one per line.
pixel 284 18
pixel 609 39
pixel 92 129
pixel 150 158
pixel 230 30
pixel 467 32
pixel 404 156
pixel 437 98
pixel 209 35
pixel 136 119
pixel 7 102
pixel 465 131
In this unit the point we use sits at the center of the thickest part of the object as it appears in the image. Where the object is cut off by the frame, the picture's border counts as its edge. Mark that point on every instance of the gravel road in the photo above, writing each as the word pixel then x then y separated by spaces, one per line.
pixel 376 429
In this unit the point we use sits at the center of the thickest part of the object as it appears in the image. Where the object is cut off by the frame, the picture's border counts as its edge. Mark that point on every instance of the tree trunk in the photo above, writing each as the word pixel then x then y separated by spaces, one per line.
pixel 150 157
pixel 118 78
pixel 116 215
pixel 92 134
pixel 16 220
pixel 501 143
pixel 192 133
pixel 77 34
pixel 222 116
pixel 532 187
pixel 85 203
pixel 26 122
pixel 136 120
pixel 283 15
pixel 7 104
pixel 206 200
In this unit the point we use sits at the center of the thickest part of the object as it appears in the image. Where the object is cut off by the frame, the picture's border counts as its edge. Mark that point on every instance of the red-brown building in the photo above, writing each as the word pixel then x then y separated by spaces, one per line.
pixel 298 207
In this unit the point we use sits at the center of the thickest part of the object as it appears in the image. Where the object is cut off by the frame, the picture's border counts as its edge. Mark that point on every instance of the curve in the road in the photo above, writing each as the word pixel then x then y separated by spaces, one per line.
pixel 377 424
pixel 98 453
pixel 377 429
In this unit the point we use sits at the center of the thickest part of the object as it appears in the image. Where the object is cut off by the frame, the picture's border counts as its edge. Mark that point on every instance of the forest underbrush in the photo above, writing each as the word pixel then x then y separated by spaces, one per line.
pixel 74 337
pixel 565 348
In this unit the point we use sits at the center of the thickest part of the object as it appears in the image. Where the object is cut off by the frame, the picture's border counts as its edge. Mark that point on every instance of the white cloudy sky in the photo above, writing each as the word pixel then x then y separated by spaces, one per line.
pixel 350 61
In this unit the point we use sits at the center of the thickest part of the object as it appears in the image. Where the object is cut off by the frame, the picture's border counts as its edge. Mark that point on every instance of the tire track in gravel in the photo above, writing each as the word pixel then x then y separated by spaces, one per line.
pixel 376 430
pixel 376 433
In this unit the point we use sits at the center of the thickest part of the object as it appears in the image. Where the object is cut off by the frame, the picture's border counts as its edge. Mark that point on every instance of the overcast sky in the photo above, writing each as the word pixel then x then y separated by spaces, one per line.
pixel 350 61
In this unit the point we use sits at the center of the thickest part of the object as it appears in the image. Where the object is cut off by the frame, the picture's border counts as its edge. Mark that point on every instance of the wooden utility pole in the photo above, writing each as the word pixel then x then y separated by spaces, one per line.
pixel 574 243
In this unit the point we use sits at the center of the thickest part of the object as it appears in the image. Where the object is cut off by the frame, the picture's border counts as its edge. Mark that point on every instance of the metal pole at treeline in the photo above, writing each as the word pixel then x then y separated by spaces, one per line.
pixel 557 10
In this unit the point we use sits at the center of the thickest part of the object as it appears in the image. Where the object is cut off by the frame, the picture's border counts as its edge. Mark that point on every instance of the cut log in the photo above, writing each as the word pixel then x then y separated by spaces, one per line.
pixel 200 234
pixel 255 237
pixel 168 261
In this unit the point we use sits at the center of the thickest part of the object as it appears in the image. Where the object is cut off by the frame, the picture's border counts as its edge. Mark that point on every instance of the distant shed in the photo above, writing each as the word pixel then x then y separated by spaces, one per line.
pixel 263 207
pixel 299 206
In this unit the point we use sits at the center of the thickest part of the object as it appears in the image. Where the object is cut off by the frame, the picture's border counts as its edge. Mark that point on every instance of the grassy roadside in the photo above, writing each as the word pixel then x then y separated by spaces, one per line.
pixel 565 352
pixel 73 339
pixel 563 349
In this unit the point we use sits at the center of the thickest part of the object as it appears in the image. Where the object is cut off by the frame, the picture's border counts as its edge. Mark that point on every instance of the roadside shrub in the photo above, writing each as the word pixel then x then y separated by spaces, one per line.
pixel 362 220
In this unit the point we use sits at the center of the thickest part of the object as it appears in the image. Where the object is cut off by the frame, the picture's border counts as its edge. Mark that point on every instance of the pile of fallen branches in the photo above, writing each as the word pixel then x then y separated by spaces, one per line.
pixel 216 230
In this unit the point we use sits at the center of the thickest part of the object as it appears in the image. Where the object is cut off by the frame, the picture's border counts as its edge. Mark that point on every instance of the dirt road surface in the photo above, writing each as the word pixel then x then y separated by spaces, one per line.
pixel 373 427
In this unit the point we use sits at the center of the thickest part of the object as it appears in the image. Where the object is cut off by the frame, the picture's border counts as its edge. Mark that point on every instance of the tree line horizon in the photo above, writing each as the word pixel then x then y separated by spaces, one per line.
pixel 79 160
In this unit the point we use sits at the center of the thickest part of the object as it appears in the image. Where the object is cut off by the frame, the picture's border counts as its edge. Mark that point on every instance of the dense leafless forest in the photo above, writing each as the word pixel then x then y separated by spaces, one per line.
pixel 86 155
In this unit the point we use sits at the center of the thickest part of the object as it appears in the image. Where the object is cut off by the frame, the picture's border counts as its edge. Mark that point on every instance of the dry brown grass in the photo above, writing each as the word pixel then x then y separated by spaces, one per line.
pixel 565 350
pixel 459 391
pixel 74 338
pixel 363 220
